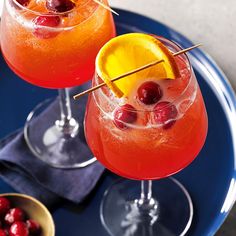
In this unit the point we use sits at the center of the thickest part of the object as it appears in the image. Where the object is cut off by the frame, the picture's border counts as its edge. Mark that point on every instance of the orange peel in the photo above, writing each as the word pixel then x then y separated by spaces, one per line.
pixel 128 52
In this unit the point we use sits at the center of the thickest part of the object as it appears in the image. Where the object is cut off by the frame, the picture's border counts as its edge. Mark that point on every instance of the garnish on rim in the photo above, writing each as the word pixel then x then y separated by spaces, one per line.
pixel 77 96
pixel 128 52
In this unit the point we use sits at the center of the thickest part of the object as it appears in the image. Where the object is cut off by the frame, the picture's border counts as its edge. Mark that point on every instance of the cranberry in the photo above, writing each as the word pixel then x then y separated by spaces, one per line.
pixel 3 232
pixel 15 214
pixel 59 5
pixel 50 21
pixel 164 112
pixel 19 229
pixel 124 114
pixel 23 2
pixel 149 93
pixel 4 206
pixel 33 226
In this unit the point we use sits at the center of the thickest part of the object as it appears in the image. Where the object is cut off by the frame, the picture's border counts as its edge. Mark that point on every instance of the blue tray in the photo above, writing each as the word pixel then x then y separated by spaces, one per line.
pixel 210 179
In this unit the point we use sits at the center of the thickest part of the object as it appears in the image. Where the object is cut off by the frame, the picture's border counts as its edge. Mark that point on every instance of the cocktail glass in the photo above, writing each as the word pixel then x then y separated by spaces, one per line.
pixel 165 138
pixel 54 46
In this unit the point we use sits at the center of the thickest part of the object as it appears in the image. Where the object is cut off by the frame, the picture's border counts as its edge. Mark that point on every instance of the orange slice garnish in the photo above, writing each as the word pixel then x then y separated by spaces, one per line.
pixel 128 52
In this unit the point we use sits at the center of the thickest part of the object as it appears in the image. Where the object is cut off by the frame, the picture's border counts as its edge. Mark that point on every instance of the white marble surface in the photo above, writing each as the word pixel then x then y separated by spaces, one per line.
pixel 212 22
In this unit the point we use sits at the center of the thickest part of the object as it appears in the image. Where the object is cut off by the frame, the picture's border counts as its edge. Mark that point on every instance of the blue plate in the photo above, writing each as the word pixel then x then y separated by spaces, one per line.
pixel 210 179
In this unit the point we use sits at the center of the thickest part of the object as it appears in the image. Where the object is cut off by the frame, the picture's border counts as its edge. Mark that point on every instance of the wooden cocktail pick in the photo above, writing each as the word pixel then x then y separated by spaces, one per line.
pixel 77 96
pixel 106 7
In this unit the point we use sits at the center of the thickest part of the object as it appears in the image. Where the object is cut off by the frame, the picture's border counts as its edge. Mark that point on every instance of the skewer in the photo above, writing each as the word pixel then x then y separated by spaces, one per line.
pixel 134 71
pixel 106 7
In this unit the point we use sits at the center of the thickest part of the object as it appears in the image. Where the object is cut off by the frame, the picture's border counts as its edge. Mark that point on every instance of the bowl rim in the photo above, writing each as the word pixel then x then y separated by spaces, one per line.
pixel 21 195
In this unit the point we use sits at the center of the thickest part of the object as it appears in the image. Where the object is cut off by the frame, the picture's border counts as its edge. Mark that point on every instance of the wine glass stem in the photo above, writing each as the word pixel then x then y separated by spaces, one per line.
pixel 65 104
pixel 67 124
pixel 146 190
pixel 148 207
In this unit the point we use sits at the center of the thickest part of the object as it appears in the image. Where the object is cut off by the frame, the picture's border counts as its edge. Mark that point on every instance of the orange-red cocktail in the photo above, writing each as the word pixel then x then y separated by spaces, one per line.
pixel 54 50
pixel 149 141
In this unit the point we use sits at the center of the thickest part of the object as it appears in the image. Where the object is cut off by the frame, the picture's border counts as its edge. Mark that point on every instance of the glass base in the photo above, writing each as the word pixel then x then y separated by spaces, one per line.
pixel 50 143
pixel 171 216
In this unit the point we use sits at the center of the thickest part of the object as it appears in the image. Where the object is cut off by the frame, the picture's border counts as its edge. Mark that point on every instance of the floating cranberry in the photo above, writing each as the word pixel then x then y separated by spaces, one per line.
pixel 165 113
pixel 3 232
pixel 23 2
pixel 33 226
pixel 50 21
pixel 19 229
pixel 124 114
pixel 15 214
pixel 59 5
pixel 149 93
pixel 4 206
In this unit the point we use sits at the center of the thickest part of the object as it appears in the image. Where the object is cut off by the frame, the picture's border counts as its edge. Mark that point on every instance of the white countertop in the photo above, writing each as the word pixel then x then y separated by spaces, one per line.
pixel 211 22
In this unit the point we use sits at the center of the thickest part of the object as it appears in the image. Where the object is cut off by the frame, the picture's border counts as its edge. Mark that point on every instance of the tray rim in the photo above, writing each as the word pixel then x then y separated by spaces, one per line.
pixel 228 94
